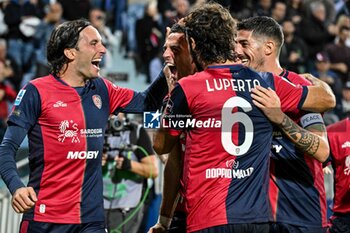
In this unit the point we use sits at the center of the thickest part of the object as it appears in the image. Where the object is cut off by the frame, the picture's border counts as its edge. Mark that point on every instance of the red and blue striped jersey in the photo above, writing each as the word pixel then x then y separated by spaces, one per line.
pixel 228 143
pixel 297 193
pixel 339 141
pixel 66 134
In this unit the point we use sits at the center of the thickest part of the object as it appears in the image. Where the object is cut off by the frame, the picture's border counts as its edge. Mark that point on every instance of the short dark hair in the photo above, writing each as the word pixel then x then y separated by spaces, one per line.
pixel 177 28
pixel 64 36
pixel 213 30
pixel 263 26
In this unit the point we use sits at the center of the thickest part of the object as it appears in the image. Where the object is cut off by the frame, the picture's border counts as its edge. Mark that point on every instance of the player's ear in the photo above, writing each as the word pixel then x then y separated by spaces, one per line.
pixel 69 53
pixel 269 47
pixel 193 43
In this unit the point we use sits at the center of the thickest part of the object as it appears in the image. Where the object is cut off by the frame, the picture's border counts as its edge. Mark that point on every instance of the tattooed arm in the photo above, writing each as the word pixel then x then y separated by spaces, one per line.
pixel 312 140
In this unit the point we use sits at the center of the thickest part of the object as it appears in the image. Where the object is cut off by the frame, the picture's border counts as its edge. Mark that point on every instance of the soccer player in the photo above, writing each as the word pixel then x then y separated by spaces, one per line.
pixel 225 174
pixel 297 194
pixel 64 115
pixel 339 141
pixel 175 51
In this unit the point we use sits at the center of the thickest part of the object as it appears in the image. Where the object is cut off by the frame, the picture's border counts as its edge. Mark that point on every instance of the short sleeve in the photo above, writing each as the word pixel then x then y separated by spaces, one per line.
pixel 292 96
pixel 119 97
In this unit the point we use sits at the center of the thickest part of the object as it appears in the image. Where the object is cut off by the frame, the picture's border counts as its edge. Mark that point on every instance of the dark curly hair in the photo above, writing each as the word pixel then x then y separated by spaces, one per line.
pixel 64 36
pixel 213 30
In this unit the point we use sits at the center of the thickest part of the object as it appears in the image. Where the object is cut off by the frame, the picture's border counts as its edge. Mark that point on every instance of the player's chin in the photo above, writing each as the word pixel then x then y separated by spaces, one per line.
pixel 94 73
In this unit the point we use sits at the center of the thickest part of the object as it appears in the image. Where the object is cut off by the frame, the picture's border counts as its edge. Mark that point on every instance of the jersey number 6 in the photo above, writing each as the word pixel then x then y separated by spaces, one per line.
pixel 230 118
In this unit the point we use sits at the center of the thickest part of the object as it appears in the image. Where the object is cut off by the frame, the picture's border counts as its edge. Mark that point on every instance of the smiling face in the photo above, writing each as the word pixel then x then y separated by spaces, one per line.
pixel 176 52
pixel 250 50
pixel 87 55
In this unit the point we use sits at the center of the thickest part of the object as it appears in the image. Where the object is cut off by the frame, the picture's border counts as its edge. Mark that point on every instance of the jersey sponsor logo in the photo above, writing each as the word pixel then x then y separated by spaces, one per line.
pixel 347 165
pixel 60 104
pixel 91 133
pixel 97 101
pixel 223 84
pixel 277 148
pixel 151 119
pixel 19 97
pixel 232 163
pixel 82 154
pixel 231 172
pixel 68 129
pixel 310 119
pixel 346 144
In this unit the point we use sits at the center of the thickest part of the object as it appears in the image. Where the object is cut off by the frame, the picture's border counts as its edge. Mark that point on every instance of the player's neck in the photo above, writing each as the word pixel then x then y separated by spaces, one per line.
pixel 72 79
pixel 273 66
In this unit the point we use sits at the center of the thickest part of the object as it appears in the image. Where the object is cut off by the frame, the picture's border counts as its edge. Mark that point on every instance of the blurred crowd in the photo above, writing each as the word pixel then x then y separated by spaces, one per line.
pixel 317 37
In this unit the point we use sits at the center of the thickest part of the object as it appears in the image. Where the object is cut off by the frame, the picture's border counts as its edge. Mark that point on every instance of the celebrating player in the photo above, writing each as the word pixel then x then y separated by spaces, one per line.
pixel 65 115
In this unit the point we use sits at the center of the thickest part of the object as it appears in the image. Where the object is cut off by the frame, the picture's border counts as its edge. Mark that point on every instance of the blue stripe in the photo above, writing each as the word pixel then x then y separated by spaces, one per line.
pixel 303 97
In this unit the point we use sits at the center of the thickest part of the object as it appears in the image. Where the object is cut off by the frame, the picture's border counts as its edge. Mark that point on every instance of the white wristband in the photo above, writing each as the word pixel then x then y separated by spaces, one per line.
pixel 164 221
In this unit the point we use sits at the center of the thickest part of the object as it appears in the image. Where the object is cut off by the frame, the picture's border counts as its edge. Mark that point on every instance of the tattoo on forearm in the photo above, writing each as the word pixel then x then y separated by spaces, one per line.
pixel 303 139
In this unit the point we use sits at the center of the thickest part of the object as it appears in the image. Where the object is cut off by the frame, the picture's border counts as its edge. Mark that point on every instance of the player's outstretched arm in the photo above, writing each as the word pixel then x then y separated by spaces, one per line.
pixel 320 97
pixel 311 143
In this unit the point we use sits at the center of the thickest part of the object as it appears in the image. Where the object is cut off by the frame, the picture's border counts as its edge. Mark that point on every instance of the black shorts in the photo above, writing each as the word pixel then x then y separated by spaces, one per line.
pixel 288 228
pixel 340 224
pixel 29 226
pixel 238 228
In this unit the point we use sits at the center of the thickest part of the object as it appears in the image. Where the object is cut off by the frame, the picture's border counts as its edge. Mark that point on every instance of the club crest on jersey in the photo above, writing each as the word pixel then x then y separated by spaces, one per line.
pixel 68 129
pixel 97 101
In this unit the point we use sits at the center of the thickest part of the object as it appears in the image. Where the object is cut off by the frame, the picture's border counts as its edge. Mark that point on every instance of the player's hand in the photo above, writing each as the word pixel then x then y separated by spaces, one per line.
pixel 268 101
pixel 122 163
pixel 170 74
pixel 158 228
pixel 23 199
pixel 104 159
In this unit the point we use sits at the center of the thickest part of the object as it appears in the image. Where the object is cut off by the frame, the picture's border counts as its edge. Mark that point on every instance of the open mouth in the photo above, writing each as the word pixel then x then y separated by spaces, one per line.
pixel 96 63
pixel 172 69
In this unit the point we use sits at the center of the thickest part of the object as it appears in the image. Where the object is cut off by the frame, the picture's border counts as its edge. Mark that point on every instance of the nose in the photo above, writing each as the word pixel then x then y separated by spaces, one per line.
pixel 168 55
pixel 102 49
pixel 238 49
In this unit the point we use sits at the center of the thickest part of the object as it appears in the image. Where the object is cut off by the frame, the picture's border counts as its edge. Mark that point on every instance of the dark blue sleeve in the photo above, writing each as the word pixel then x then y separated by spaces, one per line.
pixel 177 108
pixel 8 170
pixel 149 100
pixel 27 107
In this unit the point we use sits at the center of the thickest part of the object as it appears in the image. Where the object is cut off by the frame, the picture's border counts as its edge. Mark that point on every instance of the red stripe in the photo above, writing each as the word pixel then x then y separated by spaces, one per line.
pixel 316 170
pixel 273 190
pixel 24 226
pixel 59 197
